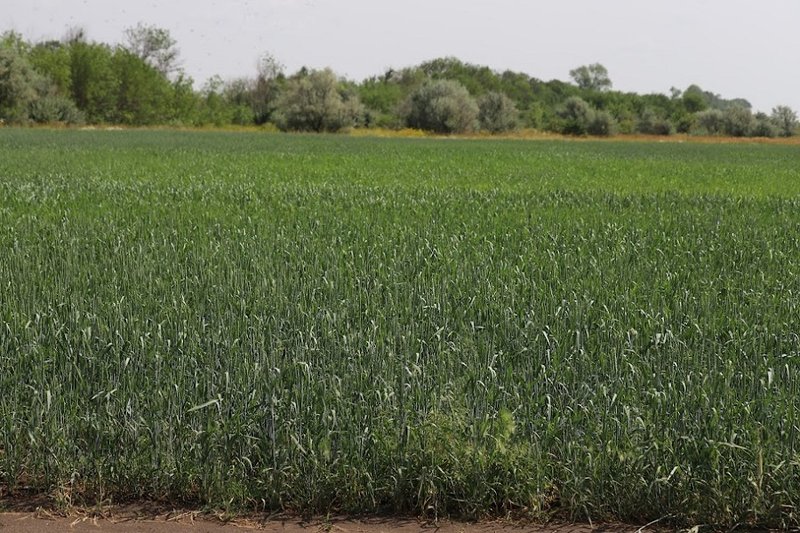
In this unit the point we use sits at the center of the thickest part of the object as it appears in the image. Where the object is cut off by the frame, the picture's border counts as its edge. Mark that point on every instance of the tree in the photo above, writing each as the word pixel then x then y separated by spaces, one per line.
pixel 52 58
pixel 216 108
pixel 269 68
pixel 694 100
pixel 239 93
pixel 317 102
pixel 497 112
pixel 143 95
pixel 93 82
pixel 19 85
pixel 266 88
pixel 592 77
pixel 14 41
pixel 153 45
pixel 785 119
pixel 26 95
pixel 442 106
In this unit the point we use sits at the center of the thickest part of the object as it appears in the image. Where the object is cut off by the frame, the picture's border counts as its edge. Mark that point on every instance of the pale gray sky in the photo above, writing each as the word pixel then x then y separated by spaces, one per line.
pixel 738 48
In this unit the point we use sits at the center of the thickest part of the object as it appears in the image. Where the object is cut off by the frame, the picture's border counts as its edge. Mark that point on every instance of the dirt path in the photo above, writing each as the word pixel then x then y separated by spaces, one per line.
pixel 134 522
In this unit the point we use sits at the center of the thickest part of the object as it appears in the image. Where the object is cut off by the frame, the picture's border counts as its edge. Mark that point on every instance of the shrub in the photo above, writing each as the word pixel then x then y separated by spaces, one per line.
pixel 602 124
pixel 785 120
pixel 650 123
pixel 51 108
pixel 442 106
pixel 709 122
pixel 737 121
pixel 317 102
pixel 576 115
pixel 763 127
pixel 497 112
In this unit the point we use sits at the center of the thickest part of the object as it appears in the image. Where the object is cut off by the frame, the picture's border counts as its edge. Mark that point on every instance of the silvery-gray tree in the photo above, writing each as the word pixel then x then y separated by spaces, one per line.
pixel 785 119
pixel 497 112
pixel 154 45
pixel 593 77
pixel 317 101
pixel 442 106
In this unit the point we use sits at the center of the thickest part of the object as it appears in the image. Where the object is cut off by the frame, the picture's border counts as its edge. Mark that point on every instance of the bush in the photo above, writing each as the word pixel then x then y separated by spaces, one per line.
pixel 785 120
pixel 602 124
pixel 737 121
pixel 651 124
pixel 763 127
pixel 50 109
pixel 26 95
pixel 497 112
pixel 709 122
pixel 317 102
pixel 442 106
pixel 684 122
pixel 575 116
pixel 533 116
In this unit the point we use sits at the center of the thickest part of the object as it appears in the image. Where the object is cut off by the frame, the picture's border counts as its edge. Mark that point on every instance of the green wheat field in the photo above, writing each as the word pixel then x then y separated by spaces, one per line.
pixel 260 322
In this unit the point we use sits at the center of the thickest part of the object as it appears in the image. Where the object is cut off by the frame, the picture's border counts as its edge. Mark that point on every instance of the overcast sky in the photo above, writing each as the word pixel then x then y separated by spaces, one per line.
pixel 738 48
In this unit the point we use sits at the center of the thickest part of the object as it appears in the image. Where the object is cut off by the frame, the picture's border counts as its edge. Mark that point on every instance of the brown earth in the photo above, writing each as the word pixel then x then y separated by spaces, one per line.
pixel 139 520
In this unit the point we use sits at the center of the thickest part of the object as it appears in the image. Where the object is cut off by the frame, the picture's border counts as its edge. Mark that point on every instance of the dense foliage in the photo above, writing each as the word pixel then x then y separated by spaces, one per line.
pixel 442 106
pixel 140 82
pixel 598 330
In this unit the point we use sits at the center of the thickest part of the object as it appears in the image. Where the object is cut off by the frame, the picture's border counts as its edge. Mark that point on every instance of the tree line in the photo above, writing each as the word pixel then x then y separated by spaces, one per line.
pixel 139 82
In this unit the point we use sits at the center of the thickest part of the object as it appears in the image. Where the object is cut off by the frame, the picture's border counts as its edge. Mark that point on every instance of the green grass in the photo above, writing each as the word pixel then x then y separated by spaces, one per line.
pixel 595 329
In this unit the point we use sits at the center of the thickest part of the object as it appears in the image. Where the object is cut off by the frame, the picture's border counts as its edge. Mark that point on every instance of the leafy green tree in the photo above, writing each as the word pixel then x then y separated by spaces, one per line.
pixel 497 112
pixel 215 108
pixel 93 81
pixel 383 97
pixel 14 41
pixel 143 94
pixel 533 116
pixel 785 119
pixel 239 94
pixel 694 100
pixel 52 58
pixel 592 77
pixel 185 101
pixel 476 79
pixel 317 102
pixel 442 106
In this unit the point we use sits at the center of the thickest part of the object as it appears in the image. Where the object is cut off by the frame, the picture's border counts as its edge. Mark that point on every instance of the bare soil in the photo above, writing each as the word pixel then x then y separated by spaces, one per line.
pixel 139 520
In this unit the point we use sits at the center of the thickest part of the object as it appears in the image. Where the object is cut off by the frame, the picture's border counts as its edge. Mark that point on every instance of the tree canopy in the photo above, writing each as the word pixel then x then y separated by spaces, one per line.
pixel 139 82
